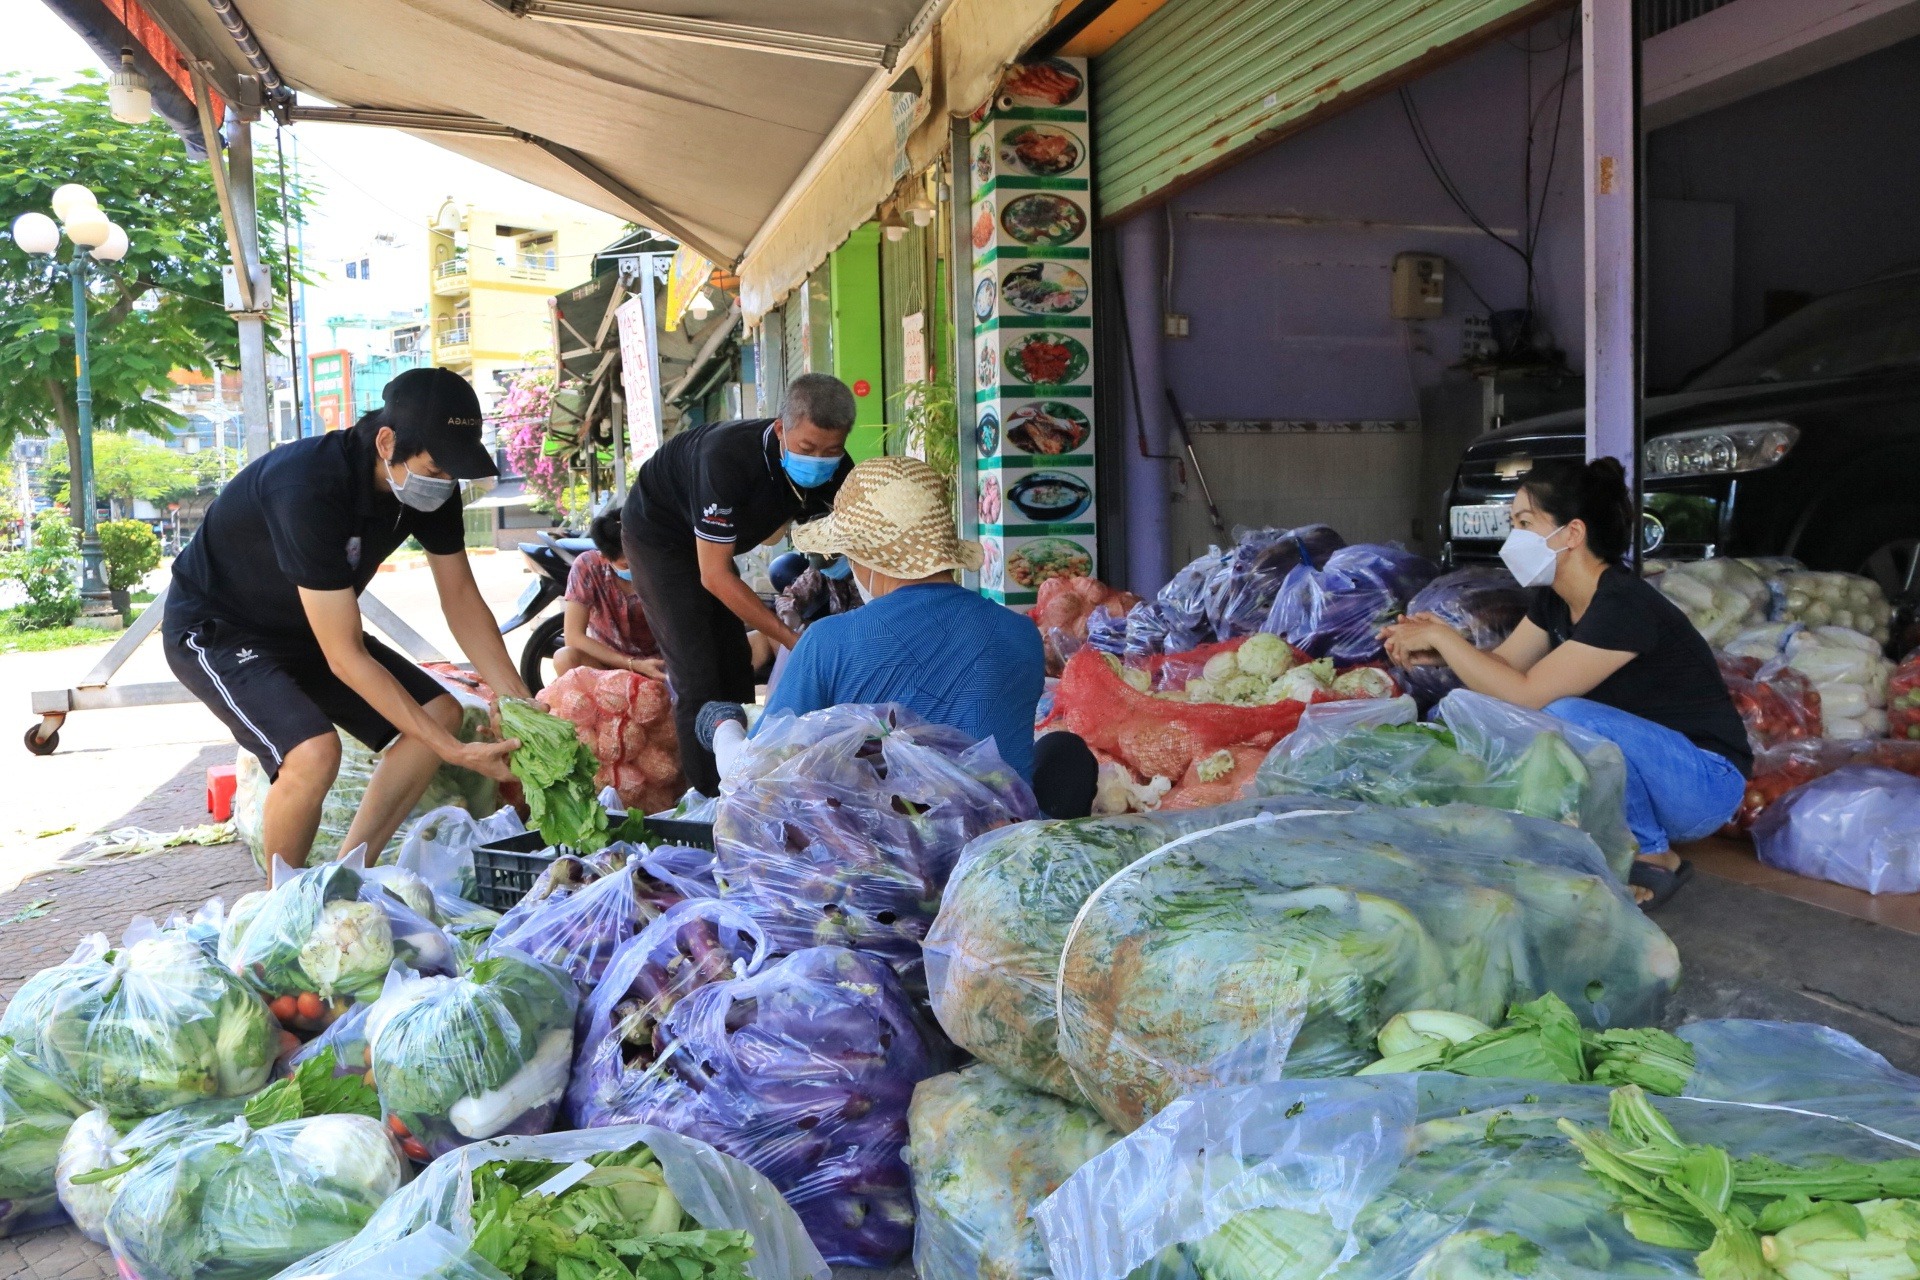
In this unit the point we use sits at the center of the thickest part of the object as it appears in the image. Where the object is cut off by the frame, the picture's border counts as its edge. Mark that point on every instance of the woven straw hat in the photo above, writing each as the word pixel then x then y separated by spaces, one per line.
pixel 893 516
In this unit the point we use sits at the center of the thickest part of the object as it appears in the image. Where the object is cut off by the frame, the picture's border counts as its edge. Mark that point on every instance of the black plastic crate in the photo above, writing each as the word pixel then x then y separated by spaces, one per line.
pixel 680 831
pixel 504 870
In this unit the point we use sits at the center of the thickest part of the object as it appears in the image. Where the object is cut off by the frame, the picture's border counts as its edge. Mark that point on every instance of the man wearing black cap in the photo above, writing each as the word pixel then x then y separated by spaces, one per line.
pixel 263 618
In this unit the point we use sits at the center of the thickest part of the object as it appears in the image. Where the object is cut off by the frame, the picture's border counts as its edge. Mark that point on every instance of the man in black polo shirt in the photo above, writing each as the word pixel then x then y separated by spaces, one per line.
pixel 263 618
pixel 718 489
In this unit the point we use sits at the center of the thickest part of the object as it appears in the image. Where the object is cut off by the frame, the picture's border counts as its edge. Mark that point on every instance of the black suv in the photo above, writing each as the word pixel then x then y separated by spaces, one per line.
pixel 1803 441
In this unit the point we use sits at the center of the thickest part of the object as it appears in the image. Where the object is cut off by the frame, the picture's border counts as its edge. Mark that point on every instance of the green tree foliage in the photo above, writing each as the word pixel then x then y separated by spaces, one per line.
pixel 49 574
pixel 157 310
pixel 132 550
pixel 126 467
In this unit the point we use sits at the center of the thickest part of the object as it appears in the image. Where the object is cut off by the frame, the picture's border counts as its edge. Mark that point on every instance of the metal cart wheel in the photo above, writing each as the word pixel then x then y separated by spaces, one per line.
pixel 43 746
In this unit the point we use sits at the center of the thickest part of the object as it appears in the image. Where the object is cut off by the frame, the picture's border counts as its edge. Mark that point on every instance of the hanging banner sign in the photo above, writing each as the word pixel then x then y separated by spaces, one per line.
pixel 686 274
pixel 639 372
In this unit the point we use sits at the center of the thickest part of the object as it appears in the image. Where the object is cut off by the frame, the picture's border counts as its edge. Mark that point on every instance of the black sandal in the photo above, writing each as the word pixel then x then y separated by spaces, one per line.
pixel 1659 881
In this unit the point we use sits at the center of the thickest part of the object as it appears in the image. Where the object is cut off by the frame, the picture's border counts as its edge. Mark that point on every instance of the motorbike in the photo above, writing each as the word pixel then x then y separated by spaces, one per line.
pixel 551 557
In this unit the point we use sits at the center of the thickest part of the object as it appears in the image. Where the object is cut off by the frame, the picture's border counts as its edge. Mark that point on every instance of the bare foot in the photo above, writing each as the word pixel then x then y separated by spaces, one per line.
pixel 1669 861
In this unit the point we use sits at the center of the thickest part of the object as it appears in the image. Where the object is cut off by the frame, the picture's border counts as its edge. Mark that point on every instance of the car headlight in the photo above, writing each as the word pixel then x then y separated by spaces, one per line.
pixel 1719 451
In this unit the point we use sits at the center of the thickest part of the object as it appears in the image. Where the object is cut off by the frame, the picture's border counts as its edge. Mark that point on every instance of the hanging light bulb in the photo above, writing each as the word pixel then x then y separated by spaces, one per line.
pixel 128 98
pixel 701 306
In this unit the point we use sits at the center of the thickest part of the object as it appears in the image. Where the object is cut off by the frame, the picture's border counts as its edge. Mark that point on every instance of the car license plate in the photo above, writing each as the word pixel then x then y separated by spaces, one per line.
pixel 1483 520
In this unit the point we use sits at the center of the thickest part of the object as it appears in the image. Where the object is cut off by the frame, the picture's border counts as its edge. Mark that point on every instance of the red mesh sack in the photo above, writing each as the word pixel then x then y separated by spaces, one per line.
pixel 1776 703
pixel 626 720
pixel 1903 700
pixel 1198 790
pixel 1159 736
pixel 1061 611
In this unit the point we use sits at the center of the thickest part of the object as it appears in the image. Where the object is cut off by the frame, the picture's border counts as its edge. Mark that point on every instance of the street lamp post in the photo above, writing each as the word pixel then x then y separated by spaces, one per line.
pixel 97 239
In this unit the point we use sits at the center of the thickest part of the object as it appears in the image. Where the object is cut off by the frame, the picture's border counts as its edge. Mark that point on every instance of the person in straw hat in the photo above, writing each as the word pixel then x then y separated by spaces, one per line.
pixel 921 639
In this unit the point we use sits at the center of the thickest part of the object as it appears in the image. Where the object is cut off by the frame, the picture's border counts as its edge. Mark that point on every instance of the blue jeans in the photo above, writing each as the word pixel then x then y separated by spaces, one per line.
pixel 1675 791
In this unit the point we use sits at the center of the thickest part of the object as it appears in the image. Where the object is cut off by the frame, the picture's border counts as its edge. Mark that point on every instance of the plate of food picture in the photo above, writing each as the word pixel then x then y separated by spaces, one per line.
pixel 1046 359
pixel 989 499
pixel 988 436
pixel 1043 150
pixel 1051 82
pixel 1040 218
pixel 992 576
pixel 983 225
pixel 983 162
pixel 1050 497
pixel 986 295
pixel 984 369
pixel 1048 428
pixel 1043 289
pixel 1045 558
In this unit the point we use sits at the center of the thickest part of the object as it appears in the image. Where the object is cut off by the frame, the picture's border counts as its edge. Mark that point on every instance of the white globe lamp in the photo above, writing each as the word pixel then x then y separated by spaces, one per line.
pixel 128 99
pixel 114 247
pixel 88 227
pixel 36 233
pixel 69 198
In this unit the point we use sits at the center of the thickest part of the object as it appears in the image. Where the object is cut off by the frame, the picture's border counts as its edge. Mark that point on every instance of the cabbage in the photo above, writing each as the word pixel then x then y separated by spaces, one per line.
pixel 35 1116
pixel 1264 654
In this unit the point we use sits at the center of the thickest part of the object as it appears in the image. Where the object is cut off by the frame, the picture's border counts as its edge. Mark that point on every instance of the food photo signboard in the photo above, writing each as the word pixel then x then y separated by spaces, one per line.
pixel 1033 329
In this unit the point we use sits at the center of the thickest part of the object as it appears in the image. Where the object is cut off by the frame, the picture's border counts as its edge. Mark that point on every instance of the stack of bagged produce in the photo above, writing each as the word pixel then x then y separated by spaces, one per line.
pixel 1224 595
pixel 1067 607
pixel 1481 602
pixel 1846 668
pixel 626 720
pixel 1776 703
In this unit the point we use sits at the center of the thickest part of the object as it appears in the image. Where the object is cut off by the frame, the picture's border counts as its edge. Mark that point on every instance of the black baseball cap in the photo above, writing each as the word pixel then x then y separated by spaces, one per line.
pixel 438 408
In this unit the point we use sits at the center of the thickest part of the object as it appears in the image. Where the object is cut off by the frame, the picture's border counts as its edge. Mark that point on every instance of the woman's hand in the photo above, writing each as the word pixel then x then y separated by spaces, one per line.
pixel 651 668
pixel 1415 641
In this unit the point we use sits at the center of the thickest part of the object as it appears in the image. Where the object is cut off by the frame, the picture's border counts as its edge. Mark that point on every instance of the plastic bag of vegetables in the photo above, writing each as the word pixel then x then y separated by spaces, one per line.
pixel 985 1153
pixel 1285 941
pixel 1444 1178
pixel 1337 610
pixel 804 1071
pixel 626 721
pixel 1857 826
pixel 431 1253
pixel 27 1015
pixel 1482 751
pixel 1835 599
pixel 1721 597
pixel 1903 700
pixel 849 840
pixel 1240 595
pixel 1852 676
pixel 1776 703
pixel 1804 1065
pixel 559 1206
pixel 459 1059
pixel 324 937
pixel 151 1025
pixel 580 931
pixel 993 954
pixel 1481 602
pixel 439 845
pixel 692 945
pixel 240 1204
pixel 36 1113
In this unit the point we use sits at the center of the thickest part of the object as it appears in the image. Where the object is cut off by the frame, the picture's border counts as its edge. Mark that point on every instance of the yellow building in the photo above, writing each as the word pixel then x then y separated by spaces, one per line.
pixel 492 274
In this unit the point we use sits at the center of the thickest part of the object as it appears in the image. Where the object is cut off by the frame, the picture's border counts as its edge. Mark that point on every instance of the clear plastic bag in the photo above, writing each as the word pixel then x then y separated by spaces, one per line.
pixel 1283 942
pixel 580 931
pixel 347 1037
pixel 1481 602
pixel 1721 597
pixel 1777 771
pixel 699 942
pixel 439 846
pixel 985 1153
pixel 431 1253
pixel 1241 593
pixel 1181 607
pixel 804 1071
pixel 1433 1176
pixel 240 1204
pixel 95 1144
pixel 993 954
pixel 25 1019
pixel 717 1191
pixel 1483 751
pixel 1776 703
pixel 324 937
pixel 460 1059
pixel 151 1025
pixel 1857 826
pixel 36 1112
pixel 1336 611
pixel 842 826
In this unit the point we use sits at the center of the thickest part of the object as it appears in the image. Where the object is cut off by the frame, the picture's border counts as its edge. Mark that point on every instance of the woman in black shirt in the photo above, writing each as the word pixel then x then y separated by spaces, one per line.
pixel 1601 649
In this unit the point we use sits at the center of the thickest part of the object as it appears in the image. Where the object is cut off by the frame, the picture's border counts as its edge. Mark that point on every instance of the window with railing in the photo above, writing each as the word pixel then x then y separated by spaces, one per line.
pixel 451 267
pixel 538 253
pixel 453 330
pixel 1664 15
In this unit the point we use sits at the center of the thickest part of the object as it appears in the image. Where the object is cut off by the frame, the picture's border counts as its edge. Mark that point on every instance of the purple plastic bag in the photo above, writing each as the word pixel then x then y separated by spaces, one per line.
pixel 1337 611
pixel 1243 591
pixel 849 839
pixel 1108 633
pixel 1857 826
pixel 580 931
pixel 699 942
pixel 804 1071
pixel 1481 602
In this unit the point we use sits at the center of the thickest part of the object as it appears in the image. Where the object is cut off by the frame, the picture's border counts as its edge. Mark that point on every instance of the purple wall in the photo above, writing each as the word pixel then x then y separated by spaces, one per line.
pixel 1292 322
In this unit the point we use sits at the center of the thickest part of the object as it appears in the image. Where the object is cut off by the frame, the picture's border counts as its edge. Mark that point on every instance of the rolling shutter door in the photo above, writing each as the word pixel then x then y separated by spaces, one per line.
pixel 1201 82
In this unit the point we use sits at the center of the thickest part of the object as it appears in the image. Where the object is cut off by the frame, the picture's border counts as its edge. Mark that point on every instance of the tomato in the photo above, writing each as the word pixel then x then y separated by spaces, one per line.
pixel 415 1149
pixel 398 1126
pixel 309 1005
pixel 283 1008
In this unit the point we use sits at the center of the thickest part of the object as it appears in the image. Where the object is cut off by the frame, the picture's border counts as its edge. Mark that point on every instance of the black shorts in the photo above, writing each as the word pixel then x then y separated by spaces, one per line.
pixel 274 693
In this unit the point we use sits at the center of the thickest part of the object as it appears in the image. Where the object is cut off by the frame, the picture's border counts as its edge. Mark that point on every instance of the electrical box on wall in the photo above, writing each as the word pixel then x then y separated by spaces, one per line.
pixel 1419 286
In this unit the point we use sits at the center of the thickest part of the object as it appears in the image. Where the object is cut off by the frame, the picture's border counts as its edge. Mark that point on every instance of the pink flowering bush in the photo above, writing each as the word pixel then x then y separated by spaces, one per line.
pixel 522 420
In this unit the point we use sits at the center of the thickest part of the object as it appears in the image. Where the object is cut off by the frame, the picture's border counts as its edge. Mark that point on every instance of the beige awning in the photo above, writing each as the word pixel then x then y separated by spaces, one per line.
pixel 700 139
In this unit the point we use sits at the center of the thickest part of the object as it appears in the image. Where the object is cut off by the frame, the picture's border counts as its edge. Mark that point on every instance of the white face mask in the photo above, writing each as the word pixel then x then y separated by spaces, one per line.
pixel 1528 557
pixel 860 585
pixel 422 493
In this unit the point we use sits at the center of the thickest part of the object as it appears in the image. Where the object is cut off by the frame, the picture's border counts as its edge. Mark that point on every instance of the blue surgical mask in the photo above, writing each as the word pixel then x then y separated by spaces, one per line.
pixel 625 575
pixel 808 473
pixel 422 493
pixel 839 569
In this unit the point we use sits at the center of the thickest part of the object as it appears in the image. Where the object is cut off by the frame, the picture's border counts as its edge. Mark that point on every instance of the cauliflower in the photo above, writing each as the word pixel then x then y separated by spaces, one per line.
pixel 1221 666
pixel 1119 793
pixel 349 949
pixel 1216 766
pixel 1364 682
pixel 1265 654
